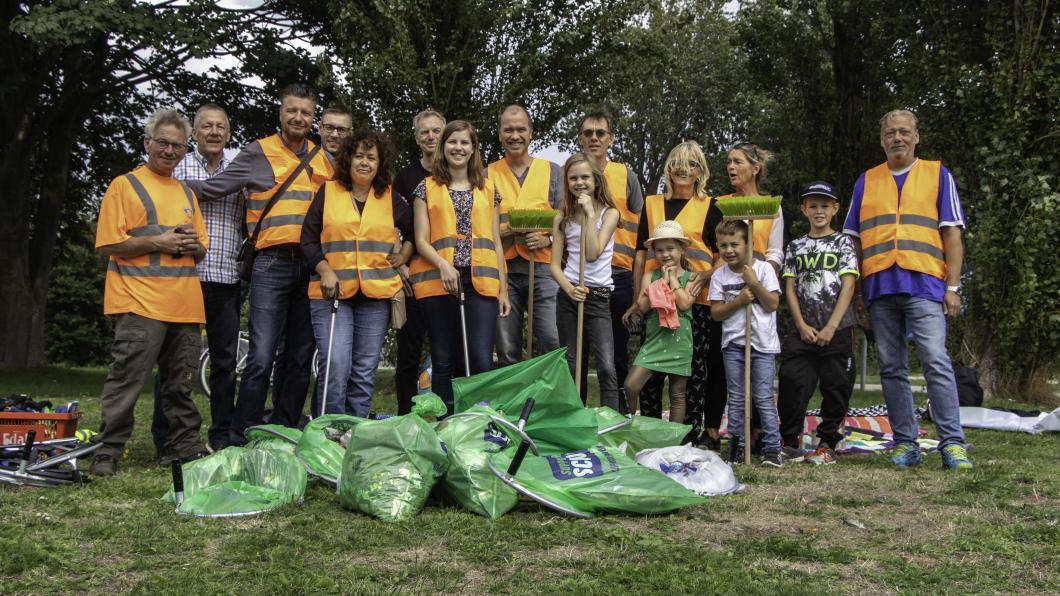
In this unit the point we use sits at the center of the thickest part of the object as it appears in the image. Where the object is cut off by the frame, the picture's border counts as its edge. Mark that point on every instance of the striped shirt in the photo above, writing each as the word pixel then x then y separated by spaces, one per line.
pixel 224 223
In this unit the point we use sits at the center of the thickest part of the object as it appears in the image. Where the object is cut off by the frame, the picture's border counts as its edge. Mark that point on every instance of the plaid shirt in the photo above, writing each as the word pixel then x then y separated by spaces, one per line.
pixel 224 223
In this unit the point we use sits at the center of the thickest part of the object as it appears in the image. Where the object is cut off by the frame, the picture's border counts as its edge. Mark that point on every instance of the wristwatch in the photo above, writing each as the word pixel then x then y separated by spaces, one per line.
pixel 954 289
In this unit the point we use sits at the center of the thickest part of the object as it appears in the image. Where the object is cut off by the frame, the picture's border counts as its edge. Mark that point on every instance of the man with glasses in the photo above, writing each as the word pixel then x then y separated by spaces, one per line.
pixel 279 285
pixel 151 229
pixel 335 125
pixel 595 137
pixel 427 128
pixel 525 182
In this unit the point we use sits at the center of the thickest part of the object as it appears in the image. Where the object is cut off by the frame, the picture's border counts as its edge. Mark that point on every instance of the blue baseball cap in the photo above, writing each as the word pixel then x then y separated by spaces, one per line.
pixel 819 188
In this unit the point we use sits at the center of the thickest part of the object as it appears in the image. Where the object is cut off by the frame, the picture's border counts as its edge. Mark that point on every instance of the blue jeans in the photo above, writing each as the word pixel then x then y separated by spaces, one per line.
pixel 597 337
pixel 351 378
pixel 762 368
pixel 279 310
pixel 510 339
pixel 892 316
pixel 443 328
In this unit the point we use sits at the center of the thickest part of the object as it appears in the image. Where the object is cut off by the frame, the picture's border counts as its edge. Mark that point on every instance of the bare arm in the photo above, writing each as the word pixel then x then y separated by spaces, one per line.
pixel 953 248
pixel 807 333
pixel 599 240
pixel 168 243
pixel 422 232
pixel 682 297
pixel 721 310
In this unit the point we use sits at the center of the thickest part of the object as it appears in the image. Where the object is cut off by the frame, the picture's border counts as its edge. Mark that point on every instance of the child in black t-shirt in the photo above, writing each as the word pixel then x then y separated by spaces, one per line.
pixel 819 273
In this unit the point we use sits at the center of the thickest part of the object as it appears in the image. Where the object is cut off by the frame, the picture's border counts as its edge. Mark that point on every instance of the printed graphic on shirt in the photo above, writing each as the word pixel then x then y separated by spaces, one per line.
pixel 818 264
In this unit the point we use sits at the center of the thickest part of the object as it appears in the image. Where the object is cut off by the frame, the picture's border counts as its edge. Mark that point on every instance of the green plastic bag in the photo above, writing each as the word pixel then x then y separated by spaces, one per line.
pixel 601 479
pixel 559 422
pixel 643 433
pixel 240 481
pixel 318 448
pixel 274 431
pixel 390 467
pixel 470 441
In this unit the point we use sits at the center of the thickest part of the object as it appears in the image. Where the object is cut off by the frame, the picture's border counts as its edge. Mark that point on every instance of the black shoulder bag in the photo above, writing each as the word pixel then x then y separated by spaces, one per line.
pixel 245 258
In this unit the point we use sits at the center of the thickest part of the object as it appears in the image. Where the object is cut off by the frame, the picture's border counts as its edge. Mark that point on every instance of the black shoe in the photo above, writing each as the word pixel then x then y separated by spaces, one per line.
pixel 705 441
pixel 772 458
pixel 103 465
pixel 735 453
pixel 216 445
pixel 792 454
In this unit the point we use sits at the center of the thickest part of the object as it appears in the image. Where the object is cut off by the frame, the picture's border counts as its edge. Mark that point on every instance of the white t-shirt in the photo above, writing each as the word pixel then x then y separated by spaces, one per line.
pixel 598 272
pixel 725 286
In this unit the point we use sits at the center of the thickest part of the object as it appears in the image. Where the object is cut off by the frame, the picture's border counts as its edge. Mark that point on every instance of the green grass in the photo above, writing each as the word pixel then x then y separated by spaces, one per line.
pixel 993 530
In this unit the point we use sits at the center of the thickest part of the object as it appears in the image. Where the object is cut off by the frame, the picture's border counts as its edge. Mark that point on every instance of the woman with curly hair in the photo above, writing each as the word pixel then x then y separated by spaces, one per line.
pixel 356 234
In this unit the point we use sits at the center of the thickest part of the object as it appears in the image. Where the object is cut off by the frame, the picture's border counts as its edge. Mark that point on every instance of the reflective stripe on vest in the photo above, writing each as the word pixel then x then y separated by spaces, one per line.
pixel 183 266
pixel 691 217
pixel 762 231
pixel 905 230
pixel 425 277
pixel 617 179
pixel 356 244
pixel 284 222
pixel 531 194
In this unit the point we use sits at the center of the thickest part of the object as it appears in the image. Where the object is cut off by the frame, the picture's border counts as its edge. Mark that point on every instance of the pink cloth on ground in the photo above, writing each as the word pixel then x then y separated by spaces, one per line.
pixel 664 302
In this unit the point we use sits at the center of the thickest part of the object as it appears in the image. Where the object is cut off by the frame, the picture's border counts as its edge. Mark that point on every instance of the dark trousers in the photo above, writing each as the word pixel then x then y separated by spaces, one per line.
pixel 409 351
pixel 696 391
pixel 621 300
pixel 716 392
pixel 596 336
pixel 805 366
pixel 222 302
pixel 442 314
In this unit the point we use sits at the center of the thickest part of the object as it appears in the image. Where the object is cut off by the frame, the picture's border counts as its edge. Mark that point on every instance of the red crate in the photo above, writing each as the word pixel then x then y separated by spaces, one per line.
pixel 15 425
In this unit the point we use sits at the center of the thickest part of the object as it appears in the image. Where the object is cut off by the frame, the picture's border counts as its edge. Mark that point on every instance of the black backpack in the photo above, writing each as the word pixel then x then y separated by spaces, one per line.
pixel 969 391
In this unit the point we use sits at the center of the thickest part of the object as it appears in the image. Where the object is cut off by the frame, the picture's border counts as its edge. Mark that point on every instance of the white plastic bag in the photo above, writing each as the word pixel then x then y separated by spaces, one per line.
pixel 703 472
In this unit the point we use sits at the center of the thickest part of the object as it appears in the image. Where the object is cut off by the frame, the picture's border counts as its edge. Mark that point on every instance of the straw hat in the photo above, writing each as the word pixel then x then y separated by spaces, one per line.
pixel 668 229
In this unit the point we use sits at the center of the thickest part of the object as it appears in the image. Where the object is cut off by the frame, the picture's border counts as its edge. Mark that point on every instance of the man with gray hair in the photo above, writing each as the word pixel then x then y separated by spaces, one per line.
pixel 152 230
pixel 218 272
pixel 427 129
pixel 906 219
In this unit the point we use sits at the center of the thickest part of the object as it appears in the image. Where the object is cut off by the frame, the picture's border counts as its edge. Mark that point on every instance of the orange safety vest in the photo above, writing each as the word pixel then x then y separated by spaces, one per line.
pixel 616 176
pixel 763 228
pixel 141 284
pixel 356 244
pixel 532 194
pixel 425 278
pixel 284 223
pixel 691 218
pixel 903 231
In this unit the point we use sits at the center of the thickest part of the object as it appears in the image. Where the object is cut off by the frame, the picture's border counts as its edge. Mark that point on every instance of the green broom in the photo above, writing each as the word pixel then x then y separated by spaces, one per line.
pixel 748 209
pixel 523 221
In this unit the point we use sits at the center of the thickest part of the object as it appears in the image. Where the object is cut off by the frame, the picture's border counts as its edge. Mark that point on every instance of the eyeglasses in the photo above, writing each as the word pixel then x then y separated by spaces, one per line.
pixel 747 147
pixel 328 129
pixel 598 132
pixel 170 146
pixel 684 165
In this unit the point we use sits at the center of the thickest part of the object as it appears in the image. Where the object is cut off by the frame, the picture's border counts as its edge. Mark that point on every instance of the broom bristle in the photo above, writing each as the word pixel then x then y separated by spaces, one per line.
pixel 760 205
pixel 522 219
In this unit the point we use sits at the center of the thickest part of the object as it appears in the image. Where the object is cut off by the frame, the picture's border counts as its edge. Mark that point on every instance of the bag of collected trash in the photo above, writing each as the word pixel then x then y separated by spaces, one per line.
pixel 270 437
pixel 470 441
pixel 318 447
pixel 644 432
pixel 596 480
pixel 700 471
pixel 560 422
pixel 240 481
pixel 390 466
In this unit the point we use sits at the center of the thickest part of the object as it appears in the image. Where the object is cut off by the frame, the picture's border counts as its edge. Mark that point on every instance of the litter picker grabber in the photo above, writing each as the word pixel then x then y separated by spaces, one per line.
pixel 327 365
pixel 463 328
pixel 749 209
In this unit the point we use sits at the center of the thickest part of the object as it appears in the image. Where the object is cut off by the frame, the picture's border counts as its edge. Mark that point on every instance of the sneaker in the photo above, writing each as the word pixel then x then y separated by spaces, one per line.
pixel 906 455
pixel 955 457
pixel 822 456
pixel 103 465
pixel 735 452
pixel 792 454
pixel 772 458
